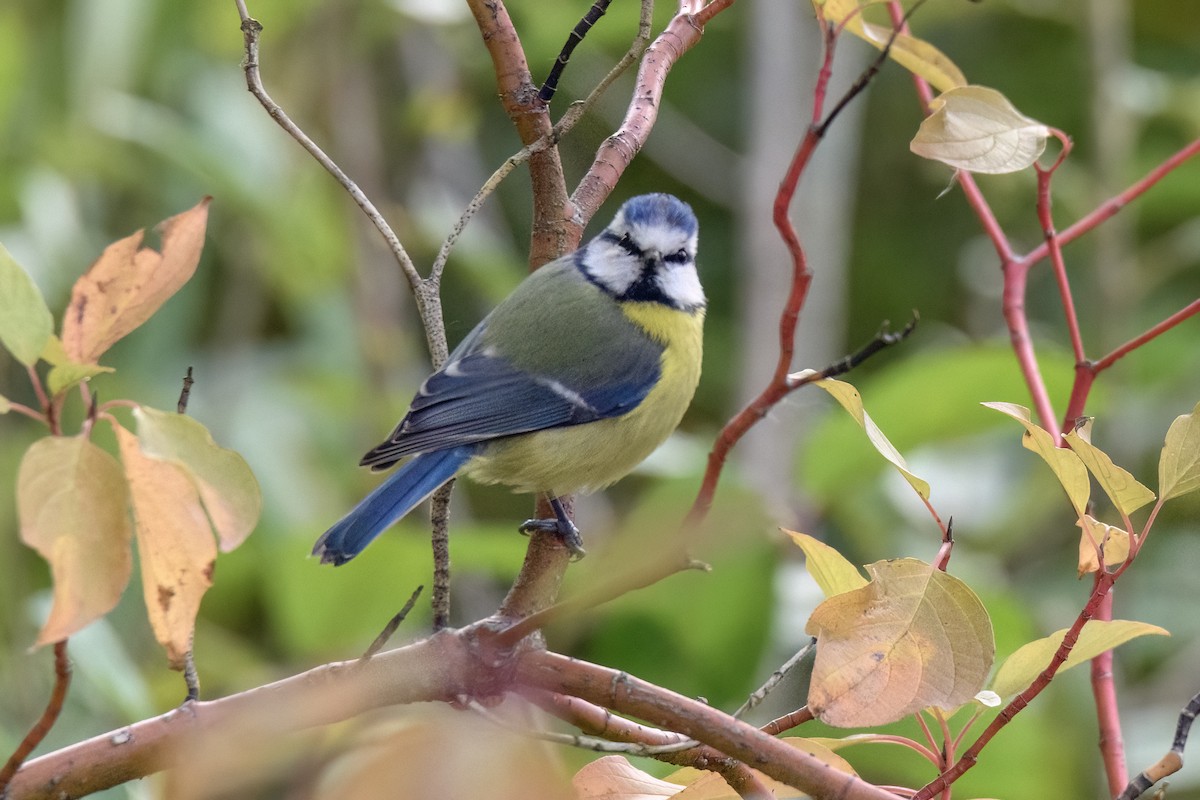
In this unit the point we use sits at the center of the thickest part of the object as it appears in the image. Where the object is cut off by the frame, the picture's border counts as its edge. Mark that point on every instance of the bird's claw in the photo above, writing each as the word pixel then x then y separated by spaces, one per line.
pixel 566 530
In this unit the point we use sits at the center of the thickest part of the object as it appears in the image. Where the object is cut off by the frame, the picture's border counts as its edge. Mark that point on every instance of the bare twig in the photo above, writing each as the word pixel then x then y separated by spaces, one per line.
pixel 628 695
pixel 546 93
pixel 778 675
pixel 597 721
pixel 251 31
pixel 185 393
pixel 1172 762
pixel 392 625
pixel 62 680
pixel 594 743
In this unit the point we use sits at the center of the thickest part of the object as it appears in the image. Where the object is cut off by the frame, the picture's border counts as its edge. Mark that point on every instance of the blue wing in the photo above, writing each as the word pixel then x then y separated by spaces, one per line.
pixel 390 501
pixel 480 396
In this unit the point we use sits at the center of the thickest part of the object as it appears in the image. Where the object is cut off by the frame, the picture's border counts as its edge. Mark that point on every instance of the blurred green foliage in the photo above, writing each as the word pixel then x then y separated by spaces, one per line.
pixel 115 114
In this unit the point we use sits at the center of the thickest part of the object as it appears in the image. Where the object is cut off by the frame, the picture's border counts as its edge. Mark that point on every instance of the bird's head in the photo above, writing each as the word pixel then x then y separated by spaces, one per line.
pixel 647 254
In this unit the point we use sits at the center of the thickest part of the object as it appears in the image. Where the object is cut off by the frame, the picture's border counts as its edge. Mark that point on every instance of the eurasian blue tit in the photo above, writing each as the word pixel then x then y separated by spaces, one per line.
pixel 564 387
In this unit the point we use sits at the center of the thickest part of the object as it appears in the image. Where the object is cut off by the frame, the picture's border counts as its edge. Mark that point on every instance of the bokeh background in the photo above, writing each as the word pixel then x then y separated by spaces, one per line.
pixel 115 114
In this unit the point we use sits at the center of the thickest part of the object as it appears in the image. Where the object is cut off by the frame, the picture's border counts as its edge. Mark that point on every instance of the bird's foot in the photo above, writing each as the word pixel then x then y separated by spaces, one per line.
pixel 565 529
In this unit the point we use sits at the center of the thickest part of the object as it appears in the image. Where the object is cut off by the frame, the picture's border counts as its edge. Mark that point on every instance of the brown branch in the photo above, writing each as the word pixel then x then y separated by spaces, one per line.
pixel 54 706
pixel 618 150
pixel 551 236
pixel 597 721
pixel 628 695
pixel 438 668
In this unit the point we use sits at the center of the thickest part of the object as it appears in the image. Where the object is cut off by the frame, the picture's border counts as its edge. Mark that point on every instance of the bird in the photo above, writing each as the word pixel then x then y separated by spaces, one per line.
pixel 565 387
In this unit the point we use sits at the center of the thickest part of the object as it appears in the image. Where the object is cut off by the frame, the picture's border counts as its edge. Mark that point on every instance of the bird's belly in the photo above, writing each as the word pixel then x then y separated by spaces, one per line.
pixel 582 458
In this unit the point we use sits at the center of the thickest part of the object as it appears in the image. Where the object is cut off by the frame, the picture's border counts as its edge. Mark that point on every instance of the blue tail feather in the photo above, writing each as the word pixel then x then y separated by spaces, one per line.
pixel 390 501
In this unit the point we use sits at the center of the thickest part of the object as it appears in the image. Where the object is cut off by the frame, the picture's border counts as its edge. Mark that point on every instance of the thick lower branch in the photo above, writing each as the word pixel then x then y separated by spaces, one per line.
pixel 432 669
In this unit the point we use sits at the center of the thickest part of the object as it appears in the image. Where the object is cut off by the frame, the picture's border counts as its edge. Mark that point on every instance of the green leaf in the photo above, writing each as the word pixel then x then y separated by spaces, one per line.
pixel 65 372
pixel 25 321
pixel 227 486
pixel 1098 636
pixel 829 568
pixel 1179 464
pixel 851 400
pixel 64 376
pixel 977 129
pixel 5 404
pixel 1065 464
pixel 73 509
pixel 1126 494
pixel 913 638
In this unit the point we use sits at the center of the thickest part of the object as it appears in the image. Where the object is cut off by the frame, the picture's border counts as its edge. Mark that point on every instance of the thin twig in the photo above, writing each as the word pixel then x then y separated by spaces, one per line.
pixel 185 393
pixel 760 694
pixel 392 625
pixel 1103 585
pixel 54 706
pixel 546 93
pixel 1172 762
pixel 598 721
pixel 582 742
pixel 251 31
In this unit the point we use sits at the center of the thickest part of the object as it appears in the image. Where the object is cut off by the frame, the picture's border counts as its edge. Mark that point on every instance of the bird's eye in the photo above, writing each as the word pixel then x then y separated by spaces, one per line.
pixel 626 244
pixel 678 257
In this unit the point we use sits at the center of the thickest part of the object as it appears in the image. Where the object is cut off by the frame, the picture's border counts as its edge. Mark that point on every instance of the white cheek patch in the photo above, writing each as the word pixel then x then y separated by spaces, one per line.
pixel 682 285
pixel 612 267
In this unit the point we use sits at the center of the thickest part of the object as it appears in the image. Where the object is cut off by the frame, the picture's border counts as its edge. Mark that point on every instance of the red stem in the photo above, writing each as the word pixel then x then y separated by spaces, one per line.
pixel 1054 248
pixel 1101 588
pixel 1112 743
pixel 1190 310
pixel 1110 207
pixel 778 387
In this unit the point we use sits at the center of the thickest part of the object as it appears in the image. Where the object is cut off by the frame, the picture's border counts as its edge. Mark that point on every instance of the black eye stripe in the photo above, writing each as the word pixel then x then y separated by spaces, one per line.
pixel 626 244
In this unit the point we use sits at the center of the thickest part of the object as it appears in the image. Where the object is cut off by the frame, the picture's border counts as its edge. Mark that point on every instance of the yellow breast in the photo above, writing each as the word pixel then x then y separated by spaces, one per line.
pixel 582 458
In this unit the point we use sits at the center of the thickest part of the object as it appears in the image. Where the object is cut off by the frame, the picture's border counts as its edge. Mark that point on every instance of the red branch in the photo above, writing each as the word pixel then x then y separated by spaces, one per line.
pixel 1100 590
pixel 779 385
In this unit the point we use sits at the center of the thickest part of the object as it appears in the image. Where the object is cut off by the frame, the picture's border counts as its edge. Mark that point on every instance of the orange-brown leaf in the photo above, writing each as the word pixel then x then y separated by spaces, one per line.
pixel 176 545
pixel 129 282
pixel 72 504
pixel 914 637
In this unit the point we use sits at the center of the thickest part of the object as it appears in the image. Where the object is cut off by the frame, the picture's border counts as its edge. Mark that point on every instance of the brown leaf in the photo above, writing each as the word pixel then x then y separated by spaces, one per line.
pixel 71 500
pixel 176 545
pixel 914 637
pixel 128 283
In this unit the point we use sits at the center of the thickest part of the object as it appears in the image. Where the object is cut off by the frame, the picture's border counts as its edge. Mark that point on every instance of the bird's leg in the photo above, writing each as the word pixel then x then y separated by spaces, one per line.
pixel 562 525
